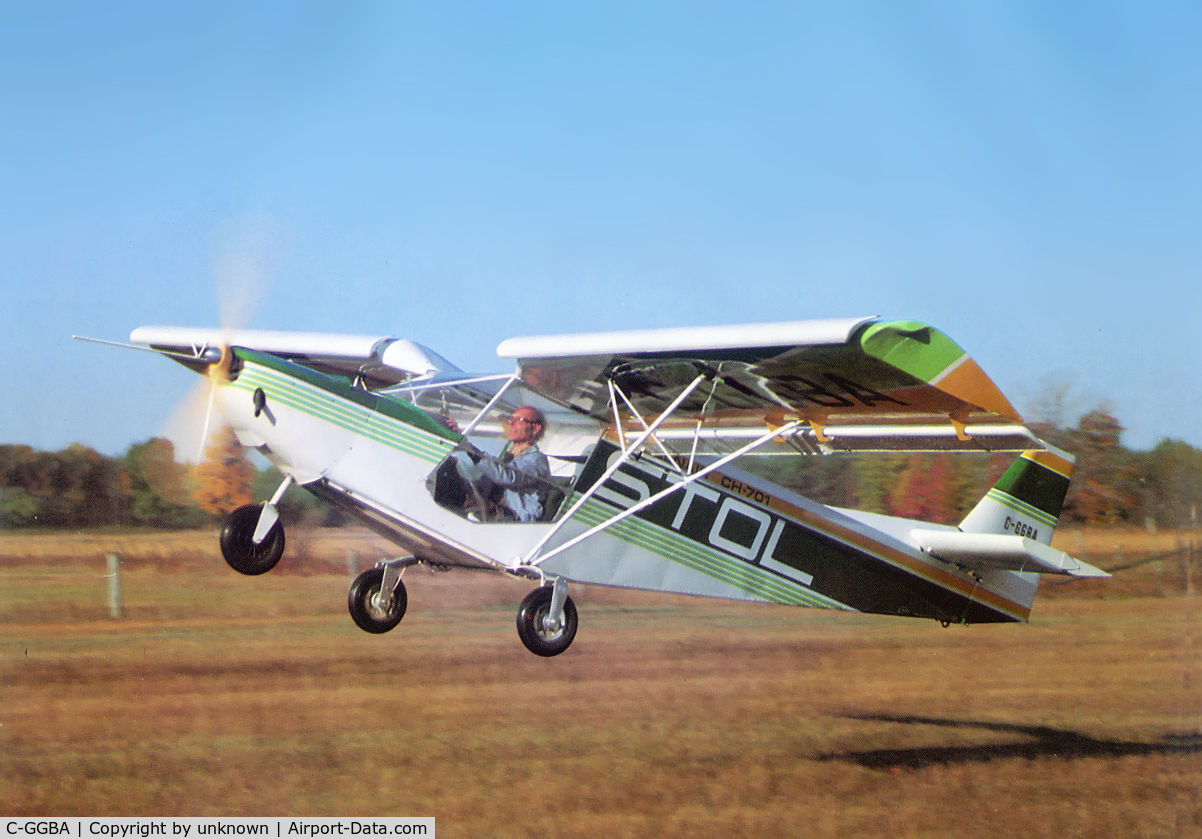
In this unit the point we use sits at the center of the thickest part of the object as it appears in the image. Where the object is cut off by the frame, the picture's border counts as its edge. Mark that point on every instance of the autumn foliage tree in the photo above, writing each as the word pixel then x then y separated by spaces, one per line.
pixel 1104 479
pixel 223 480
pixel 924 490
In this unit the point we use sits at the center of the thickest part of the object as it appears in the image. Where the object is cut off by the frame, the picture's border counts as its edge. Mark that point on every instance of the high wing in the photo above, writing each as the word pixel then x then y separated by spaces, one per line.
pixel 368 360
pixel 854 384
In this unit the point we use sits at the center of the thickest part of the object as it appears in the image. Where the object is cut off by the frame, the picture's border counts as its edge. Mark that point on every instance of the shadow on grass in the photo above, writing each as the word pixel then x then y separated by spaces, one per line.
pixel 1044 741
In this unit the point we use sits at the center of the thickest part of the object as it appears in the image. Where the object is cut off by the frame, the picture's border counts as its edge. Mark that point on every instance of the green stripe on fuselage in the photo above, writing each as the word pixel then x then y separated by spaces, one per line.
pixel 388 421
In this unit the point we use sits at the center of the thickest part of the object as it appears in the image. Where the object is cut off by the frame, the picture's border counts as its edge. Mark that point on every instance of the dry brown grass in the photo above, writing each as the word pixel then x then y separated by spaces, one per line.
pixel 222 695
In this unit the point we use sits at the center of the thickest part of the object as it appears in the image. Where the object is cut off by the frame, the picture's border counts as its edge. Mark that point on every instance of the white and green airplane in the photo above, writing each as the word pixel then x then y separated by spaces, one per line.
pixel 642 432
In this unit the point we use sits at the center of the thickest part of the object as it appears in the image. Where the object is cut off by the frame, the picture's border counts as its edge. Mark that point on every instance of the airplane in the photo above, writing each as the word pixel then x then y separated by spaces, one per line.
pixel 643 433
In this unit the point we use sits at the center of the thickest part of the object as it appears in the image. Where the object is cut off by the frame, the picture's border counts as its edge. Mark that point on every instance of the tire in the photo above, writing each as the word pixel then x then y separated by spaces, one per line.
pixel 361 600
pixel 534 634
pixel 238 546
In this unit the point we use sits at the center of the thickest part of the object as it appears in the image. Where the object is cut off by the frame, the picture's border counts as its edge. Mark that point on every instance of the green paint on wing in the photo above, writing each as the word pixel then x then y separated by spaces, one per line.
pixel 913 347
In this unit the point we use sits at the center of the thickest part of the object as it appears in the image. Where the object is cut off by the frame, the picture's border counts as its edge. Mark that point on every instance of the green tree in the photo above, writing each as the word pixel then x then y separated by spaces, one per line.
pixel 874 477
pixel 1173 480
pixel 74 487
pixel 18 508
pixel 158 488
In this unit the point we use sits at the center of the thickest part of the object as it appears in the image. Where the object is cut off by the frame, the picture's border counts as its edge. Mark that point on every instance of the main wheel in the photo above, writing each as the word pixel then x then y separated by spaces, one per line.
pixel 238 545
pixel 365 603
pixel 535 629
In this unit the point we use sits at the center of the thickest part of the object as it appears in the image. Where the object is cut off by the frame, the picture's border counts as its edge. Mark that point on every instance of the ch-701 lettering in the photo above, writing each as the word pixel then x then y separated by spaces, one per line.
pixel 706 514
pixel 746 490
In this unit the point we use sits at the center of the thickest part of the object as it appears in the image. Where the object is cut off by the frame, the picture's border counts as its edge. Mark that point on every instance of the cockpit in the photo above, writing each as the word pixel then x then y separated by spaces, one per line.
pixel 481 480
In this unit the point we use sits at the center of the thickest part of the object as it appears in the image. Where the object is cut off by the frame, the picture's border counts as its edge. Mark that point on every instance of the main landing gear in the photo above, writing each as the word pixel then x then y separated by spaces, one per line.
pixel 377 599
pixel 252 542
pixel 546 620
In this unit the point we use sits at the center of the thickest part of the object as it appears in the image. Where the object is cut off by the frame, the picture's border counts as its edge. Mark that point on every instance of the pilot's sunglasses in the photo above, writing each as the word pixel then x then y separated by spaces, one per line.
pixel 511 420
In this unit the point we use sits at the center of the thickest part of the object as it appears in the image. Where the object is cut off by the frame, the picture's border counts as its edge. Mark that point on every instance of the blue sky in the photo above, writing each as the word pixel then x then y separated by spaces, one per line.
pixel 1024 176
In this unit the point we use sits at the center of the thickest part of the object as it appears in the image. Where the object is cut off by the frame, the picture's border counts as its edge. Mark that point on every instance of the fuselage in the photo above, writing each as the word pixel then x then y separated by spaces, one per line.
pixel 728 535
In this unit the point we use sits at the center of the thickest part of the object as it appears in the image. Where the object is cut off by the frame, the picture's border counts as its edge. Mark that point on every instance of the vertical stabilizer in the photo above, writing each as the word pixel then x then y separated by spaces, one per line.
pixel 1027 500
pixel 1011 529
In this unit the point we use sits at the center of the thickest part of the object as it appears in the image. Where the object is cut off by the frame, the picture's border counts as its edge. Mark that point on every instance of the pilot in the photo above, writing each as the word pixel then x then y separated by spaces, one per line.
pixel 521 473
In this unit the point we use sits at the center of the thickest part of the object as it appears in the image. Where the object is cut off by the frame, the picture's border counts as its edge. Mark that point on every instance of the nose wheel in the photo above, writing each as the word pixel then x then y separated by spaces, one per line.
pixel 546 626
pixel 238 545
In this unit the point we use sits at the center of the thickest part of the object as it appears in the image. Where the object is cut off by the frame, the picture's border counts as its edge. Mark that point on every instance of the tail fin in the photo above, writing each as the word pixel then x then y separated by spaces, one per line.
pixel 1027 500
pixel 1011 528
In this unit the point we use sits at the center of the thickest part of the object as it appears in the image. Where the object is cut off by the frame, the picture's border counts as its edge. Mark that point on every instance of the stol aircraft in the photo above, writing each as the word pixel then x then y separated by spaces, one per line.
pixel 643 434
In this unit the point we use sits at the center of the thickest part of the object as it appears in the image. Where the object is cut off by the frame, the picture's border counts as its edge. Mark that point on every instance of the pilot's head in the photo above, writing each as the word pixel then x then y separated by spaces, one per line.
pixel 525 425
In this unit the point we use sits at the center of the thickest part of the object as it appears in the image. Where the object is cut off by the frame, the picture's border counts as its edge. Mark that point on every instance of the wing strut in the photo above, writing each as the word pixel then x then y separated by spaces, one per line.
pixel 615 392
pixel 471 426
pixel 533 559
pixel 533 556
pixel 536 557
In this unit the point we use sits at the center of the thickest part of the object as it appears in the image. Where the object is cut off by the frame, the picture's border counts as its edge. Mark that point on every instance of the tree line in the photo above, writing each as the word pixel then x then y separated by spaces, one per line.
pixel 148 487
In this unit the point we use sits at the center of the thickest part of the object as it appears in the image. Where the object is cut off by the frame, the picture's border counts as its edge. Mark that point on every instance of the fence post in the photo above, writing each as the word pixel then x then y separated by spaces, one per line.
pixel 1150 524
pixel 352 564
pixel 113 564
pixel 1189 554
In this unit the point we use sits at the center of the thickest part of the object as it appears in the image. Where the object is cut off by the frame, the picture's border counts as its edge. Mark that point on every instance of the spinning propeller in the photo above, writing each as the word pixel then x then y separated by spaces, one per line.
pixel 246 252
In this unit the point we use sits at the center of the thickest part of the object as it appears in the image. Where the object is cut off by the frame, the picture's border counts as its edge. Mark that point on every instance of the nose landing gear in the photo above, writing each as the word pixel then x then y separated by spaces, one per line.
pixel 238 545
pixel 252 540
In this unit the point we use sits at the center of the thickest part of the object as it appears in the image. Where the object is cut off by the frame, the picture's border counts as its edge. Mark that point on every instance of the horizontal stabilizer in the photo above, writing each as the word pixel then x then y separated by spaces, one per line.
pixel 1002 551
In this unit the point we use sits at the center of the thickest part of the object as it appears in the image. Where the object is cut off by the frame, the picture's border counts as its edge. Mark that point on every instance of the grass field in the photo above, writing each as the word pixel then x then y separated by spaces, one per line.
pixel 223 695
